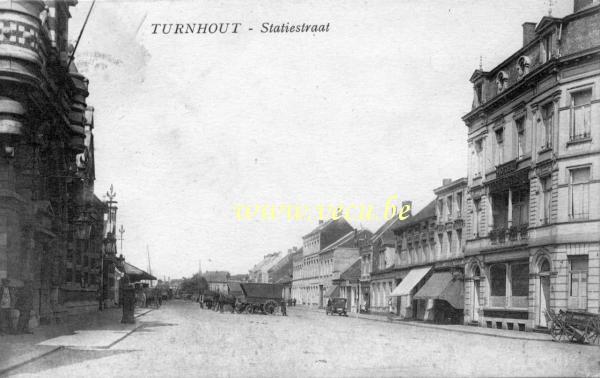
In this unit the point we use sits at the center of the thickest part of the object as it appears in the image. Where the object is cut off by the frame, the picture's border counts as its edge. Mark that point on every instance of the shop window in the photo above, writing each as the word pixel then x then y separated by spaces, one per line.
pixel 498 285
pixel 579 193
pixel 581 114
pixel 578 270
pixel 519 282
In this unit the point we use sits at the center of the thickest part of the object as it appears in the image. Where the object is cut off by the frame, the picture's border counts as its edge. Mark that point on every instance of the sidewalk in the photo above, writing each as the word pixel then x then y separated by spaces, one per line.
pixel 16 350
pixel 493 332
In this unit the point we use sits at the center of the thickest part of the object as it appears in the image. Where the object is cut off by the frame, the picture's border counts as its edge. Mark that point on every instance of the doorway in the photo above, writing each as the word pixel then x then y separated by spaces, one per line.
pixel 475 301
pixel 544 294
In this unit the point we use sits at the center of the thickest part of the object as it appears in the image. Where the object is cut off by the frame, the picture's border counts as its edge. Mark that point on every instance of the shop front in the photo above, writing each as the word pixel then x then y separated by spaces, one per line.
pixel 443 293
pixel 409 306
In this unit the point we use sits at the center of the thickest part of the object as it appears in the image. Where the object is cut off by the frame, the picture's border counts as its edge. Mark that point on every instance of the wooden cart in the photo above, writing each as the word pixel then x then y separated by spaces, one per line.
pixel 574 326
pixel 261 298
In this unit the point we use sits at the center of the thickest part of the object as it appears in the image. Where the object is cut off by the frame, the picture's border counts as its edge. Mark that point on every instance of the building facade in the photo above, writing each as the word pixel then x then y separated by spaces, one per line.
pixel 51 223
pixel 217 281
pixel 533 208
pixel 260 272
pixel 319 262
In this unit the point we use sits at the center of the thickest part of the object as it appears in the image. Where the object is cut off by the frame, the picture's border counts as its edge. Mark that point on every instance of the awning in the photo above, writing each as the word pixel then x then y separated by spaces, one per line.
pixel 136 274
pixel 332 292
pixel 410 281
pixel 442 285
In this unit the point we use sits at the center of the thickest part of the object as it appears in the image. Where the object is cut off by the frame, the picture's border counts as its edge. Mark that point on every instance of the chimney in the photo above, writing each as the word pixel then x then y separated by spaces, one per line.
pixel 446 181
pixel 581 4
pixel 529 32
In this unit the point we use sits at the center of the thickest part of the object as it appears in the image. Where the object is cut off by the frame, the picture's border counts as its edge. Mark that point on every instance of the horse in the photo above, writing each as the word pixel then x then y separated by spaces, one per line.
pixel 226 299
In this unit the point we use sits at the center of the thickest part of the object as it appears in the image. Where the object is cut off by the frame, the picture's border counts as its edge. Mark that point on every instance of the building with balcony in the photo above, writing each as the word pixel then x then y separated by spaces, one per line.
pixel 533 210
pixel 51 223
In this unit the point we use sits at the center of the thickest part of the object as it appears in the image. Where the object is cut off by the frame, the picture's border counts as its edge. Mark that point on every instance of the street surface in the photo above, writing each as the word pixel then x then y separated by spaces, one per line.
pixel 180 339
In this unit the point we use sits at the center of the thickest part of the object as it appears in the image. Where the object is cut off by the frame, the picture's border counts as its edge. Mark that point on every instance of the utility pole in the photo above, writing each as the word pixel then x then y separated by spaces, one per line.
pixel 149 266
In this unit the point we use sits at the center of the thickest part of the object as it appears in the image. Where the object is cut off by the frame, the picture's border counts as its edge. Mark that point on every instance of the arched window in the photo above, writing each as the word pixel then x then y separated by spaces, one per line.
pixel 545 266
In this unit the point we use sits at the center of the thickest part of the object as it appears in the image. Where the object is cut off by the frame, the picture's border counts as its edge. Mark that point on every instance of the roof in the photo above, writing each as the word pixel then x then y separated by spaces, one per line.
pixel 352 273
pixel 425 213
pixel 268 261
pixel 389 224
pixel 325 225
pixel 135 273
pixel 281 263
pixel 216 276
pixel 451 185
pixel 346 240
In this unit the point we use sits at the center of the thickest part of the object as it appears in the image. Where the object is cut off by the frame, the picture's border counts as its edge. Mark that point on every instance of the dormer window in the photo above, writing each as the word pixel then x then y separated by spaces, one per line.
pixel 546 48
pixel 523 65
pixel 502 81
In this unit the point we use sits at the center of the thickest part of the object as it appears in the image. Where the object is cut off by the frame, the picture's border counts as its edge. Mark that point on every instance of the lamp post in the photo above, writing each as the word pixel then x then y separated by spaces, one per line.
pixel 109 239
pixel 121 232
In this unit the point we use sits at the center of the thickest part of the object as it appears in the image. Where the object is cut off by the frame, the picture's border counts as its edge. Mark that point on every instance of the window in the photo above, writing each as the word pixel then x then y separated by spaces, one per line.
pixel 442 244
pixel 459 204
pixel 519 283
pixel 450 250
pixel 579 193
pixel 548 125
pixel 581 114
pixel 441 209
pixel 546 48
pixel 476 216
pixel 459 240
pixel 478 157
pixel 499 150
pixel 547 199
pixel 520 207
pixel 449 208
pixel 498 285
pixel 500 209
pixel 478 95
pixel 578 268
pixel 521 139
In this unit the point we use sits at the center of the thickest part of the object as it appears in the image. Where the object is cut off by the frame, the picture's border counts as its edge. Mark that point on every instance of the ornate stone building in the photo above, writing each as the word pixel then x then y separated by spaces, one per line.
pixel 533 209
pixel 51 223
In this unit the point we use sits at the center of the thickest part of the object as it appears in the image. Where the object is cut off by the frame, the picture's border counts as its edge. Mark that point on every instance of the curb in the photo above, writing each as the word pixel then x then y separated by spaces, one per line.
pixel 449 329
pixel 56 349
pixel 32 359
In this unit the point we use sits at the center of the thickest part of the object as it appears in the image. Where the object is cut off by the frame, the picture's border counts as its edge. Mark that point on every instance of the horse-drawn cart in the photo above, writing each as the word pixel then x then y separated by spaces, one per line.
pixel 574 326
pixel 259 298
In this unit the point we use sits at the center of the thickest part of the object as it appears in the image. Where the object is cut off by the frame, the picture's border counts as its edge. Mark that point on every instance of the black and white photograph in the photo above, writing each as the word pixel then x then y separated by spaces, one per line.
pixel 299 188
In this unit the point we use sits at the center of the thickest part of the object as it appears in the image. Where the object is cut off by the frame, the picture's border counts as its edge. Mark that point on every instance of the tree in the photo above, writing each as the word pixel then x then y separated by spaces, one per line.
pixel 194 284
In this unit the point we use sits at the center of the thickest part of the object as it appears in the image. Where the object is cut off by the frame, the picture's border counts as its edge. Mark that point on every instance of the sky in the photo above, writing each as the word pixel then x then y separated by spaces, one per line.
pixel 188 126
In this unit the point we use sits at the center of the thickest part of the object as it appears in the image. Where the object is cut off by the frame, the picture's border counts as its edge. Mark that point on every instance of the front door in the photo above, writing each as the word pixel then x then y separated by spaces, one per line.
pixel 475 302
pixel 544 299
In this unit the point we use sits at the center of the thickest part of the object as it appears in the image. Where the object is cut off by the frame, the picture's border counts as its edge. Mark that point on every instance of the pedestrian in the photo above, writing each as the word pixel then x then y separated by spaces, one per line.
pixel 283 308
pixel 24 304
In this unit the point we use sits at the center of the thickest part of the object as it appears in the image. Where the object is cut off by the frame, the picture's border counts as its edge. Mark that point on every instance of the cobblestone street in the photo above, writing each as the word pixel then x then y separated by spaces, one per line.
pixel 181 339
